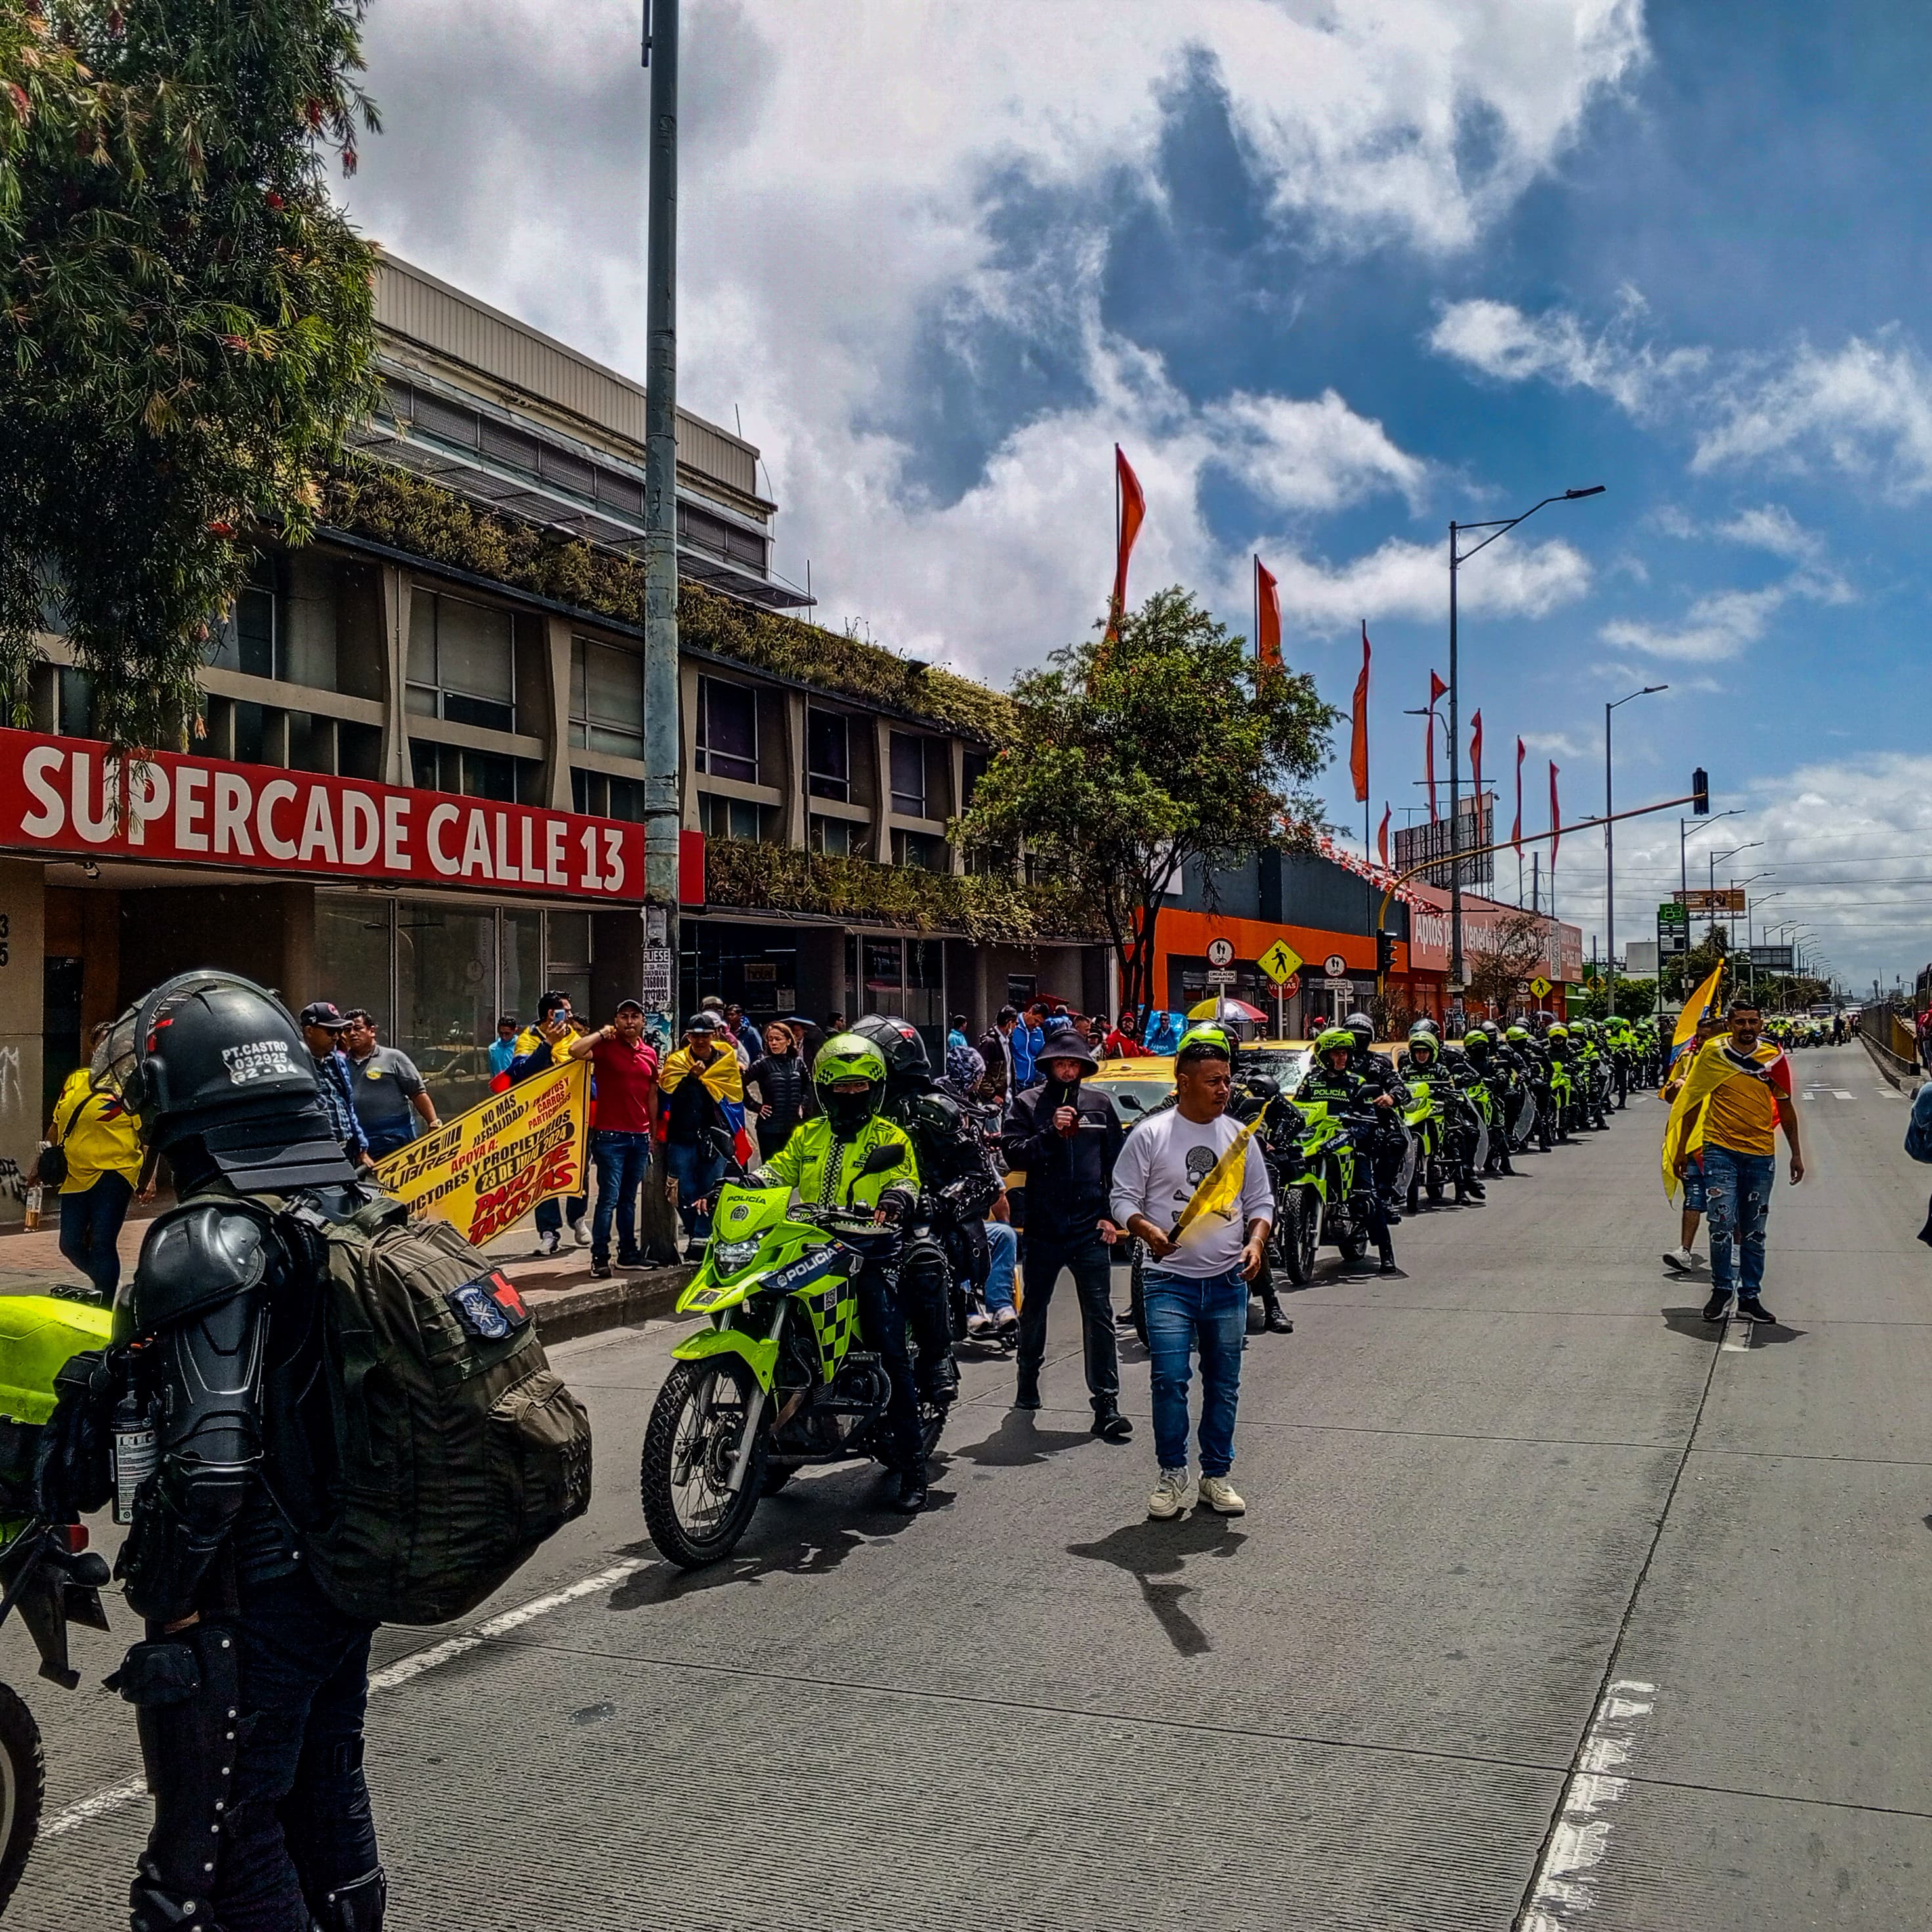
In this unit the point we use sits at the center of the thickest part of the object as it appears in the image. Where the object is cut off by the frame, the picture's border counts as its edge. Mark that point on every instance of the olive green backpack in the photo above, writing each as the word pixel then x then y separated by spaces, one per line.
pixel 458 1450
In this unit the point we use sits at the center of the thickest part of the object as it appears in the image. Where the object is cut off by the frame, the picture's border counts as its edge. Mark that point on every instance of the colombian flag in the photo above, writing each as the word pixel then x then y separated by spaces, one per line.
pixel 1695 1007
pixel 1718 1062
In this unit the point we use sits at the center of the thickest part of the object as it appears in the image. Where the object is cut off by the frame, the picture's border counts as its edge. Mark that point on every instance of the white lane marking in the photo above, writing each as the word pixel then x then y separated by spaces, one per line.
pixel 1836 1093
pixel 1566 1884
pixel 1737 1335
pixel 404 1670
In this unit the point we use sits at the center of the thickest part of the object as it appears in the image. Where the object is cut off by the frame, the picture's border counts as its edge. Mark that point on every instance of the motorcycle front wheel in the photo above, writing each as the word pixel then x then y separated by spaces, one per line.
pixel 22 1787
pixel 690 1445
pixel 1300 1231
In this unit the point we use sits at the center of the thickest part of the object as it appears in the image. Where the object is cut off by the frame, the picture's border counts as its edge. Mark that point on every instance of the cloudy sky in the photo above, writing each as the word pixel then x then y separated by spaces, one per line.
pixel 1333 272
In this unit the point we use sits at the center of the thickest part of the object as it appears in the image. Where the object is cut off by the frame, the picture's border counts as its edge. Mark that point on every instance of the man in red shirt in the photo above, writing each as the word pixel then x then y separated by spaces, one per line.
pixel 626 1076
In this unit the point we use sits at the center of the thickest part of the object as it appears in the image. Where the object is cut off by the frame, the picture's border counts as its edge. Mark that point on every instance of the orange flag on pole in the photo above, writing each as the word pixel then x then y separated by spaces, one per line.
pixel 1555 819
pixel 1268 618
pixel 1130 512
pixel 1437 689
pixel 1476 766
pixel 1358 737
pixel 1381 837
pixel 1516 830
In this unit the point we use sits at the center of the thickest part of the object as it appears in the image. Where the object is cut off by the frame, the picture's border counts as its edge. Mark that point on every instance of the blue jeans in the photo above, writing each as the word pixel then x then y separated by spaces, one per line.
pixel 551 1215
pixel 1181 1313
pixel 697 1166
pixel 1737 1192
pixel 90 1224
pixel 1002 1249
pixel 621 1159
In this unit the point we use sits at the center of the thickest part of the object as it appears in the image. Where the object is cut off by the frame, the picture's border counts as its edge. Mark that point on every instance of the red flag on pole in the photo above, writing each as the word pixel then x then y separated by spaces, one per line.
pixel 1516 830
pixel 1131 512
pixel 1555 819
pixel 1358 738
pixel 1381 837
pixel 1476 765
pixel 1437 689
pixel 1267 617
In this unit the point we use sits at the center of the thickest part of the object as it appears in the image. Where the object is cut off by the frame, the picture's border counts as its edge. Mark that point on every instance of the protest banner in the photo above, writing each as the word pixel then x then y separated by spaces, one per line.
pixel 486 1169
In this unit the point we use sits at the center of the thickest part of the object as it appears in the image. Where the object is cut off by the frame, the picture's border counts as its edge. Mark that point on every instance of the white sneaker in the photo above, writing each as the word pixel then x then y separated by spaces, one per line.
pixel 547 1242
pixel 1217 1494
pixel 1007 1319
pixel 1681 1259
pixel 979 1325
pixel 1170 1494
pixel 579 1230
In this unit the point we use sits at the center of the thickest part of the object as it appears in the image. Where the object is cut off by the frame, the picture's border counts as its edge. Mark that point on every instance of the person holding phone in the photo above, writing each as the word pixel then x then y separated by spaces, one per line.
pixel 1067 1139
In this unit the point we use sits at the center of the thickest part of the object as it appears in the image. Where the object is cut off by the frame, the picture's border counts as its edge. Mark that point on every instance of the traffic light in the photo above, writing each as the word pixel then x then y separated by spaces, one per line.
pixel 1700 791
pixel 1384 952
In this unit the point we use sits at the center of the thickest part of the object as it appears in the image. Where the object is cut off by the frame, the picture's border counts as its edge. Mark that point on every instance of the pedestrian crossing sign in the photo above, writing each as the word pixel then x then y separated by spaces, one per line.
pixel 1539 986
pixel 1280 961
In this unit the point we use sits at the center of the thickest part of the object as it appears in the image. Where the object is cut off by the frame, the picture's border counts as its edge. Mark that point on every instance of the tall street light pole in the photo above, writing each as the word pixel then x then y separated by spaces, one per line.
pixel 1610 844
pixel 1684 837
pixel 1497 526
pixel 661 812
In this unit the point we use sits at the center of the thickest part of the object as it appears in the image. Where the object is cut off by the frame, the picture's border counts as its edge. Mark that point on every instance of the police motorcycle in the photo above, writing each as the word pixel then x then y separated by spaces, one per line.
pixel 779 1380
pixel 1530 1109
pixel 47 1573
pixel 1595 1081
pixel 1565 1103
pixel 1327 1168
pixel 1428 1117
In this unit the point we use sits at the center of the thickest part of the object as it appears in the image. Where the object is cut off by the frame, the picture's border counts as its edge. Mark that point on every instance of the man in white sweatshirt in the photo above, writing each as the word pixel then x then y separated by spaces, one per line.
pixel 1191 1183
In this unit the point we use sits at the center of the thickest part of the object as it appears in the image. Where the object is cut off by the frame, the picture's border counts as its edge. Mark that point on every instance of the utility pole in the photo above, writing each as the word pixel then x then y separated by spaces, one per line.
pixel 1455 794
pixel 661 737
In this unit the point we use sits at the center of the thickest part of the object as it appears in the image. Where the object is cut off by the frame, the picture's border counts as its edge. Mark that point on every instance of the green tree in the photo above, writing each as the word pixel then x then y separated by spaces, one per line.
pixel 1132 758
pixel 1636 999
pixel 1504 959
pixel 185 323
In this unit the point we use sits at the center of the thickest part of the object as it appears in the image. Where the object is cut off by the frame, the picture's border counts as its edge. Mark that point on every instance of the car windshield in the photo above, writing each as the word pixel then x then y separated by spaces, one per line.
pixel 1135 1097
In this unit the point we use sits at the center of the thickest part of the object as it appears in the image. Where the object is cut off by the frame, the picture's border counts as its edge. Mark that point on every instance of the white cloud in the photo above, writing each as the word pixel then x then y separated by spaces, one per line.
pixel 1499 340
pixel 1865 409
pixel 1771 526
pixel 834 186
pixel 1722 624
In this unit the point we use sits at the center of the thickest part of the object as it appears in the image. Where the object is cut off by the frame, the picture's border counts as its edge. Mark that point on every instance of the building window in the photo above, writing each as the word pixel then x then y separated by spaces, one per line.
pixel 908 758
pixel 835 838
pixel 462 664
pixel 607 700
pixel 828 756
pixel 248 638
pixel 452 768
pixel 733 817
pixel 727 730
pixel 921 850
pixel 603 797
pixel 973 769
pixel 903 976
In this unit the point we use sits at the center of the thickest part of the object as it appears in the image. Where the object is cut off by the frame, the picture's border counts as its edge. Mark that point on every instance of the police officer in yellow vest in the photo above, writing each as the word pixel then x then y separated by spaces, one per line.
pixel 824 1163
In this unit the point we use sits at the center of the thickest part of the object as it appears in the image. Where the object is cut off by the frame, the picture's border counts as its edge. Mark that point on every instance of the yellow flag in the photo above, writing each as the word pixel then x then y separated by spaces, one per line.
pixel 1693 1011
pixel 1218 1193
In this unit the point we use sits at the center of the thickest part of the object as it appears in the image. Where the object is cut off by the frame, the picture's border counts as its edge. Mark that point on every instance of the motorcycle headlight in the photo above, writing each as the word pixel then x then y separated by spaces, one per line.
pixel 728 1257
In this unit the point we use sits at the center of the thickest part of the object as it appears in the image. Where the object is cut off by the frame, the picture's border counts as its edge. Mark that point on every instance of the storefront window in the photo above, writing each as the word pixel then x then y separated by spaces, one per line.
pixel 569 968
pixel 352 948
pixel 446 998
pixel 523 963
pixel 903 976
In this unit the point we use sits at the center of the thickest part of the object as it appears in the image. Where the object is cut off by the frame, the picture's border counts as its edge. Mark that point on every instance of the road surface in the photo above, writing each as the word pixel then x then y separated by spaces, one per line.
pixel 1552 1608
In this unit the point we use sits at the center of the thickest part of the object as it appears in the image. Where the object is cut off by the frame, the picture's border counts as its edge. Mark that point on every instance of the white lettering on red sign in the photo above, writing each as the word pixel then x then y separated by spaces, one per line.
pixel 66 795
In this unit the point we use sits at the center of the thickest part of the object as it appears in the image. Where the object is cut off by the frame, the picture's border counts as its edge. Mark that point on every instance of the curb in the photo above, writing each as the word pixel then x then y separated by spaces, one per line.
pixel 1905 1077
pixel 561 1314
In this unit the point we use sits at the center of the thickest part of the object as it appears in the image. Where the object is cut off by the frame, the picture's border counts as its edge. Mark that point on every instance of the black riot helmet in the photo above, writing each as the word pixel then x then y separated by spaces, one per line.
pixel 908 1066
pixel 224 1082
pixel 1363 1028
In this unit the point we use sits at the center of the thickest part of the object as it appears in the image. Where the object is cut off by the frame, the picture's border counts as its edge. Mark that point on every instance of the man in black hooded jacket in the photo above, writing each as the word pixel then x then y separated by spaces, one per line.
pixel 1067 1139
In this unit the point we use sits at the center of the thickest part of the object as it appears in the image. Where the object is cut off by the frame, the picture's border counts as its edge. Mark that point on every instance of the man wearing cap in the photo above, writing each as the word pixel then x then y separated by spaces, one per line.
pixel 323 1027
pixel 556 1027
pixel 1067 1139
pixel 698 1079
pixel 620 1143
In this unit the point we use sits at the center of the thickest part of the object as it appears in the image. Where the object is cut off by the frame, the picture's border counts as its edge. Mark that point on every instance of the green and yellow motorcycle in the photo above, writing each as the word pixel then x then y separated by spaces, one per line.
pixel 1431 1093
pixel 1324 1187
pixel 47 1573
pixel 778 1379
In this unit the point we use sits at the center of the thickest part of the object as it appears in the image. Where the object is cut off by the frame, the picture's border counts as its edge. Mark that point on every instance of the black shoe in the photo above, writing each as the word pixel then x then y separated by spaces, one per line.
pixel 1387 1265
pixel 1392 1214
pixel 940 1383
pixel 600 1270
pixel 1476 1189
pixel 1274 1320
pixel 909 1497
pixel 1110 1425
pixel 1026 1391
pixel 1752 1310
pixel 630 1260
pixel 1720 1301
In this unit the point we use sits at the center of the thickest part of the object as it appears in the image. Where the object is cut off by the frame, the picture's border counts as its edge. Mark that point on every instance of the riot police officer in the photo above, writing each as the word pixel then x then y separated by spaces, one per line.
pixel 250 1686
pixel 1390 1148
pixel 1333 1080
pixel 956 1167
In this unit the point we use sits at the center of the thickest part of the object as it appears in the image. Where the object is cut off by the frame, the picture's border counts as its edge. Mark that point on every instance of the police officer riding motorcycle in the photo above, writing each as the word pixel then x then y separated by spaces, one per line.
pixel 944 1266
pixel 1364 1109
pixel 1390 1146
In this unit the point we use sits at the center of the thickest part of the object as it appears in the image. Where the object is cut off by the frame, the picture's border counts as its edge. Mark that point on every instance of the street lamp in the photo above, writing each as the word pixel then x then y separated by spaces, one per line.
pixel 1749 845
pixel 1497 526
pixel 1683 836
pixel 1610 841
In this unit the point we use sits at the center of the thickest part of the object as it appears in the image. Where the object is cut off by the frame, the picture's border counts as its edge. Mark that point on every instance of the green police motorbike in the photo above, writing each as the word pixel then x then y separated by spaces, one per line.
pixel 47 1573
pixel 1433 1092
pixel 1326 1188
pixel 778 1380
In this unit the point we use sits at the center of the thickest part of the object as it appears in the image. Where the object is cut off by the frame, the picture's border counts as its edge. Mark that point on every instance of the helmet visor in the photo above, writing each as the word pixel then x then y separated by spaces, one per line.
pixel 118 1055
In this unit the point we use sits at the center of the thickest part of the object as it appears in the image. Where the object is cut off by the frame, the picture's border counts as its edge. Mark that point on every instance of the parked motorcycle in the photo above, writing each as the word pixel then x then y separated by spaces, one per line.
pixel 778 1380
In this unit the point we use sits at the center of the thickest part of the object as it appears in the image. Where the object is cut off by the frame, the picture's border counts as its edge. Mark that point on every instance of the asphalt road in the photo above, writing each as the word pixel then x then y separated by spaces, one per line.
pixel 1552 1608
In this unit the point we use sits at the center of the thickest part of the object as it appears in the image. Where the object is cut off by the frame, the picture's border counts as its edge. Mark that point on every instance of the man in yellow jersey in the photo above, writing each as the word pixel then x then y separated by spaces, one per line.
pixel 1741 1085
pixel 102 1142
